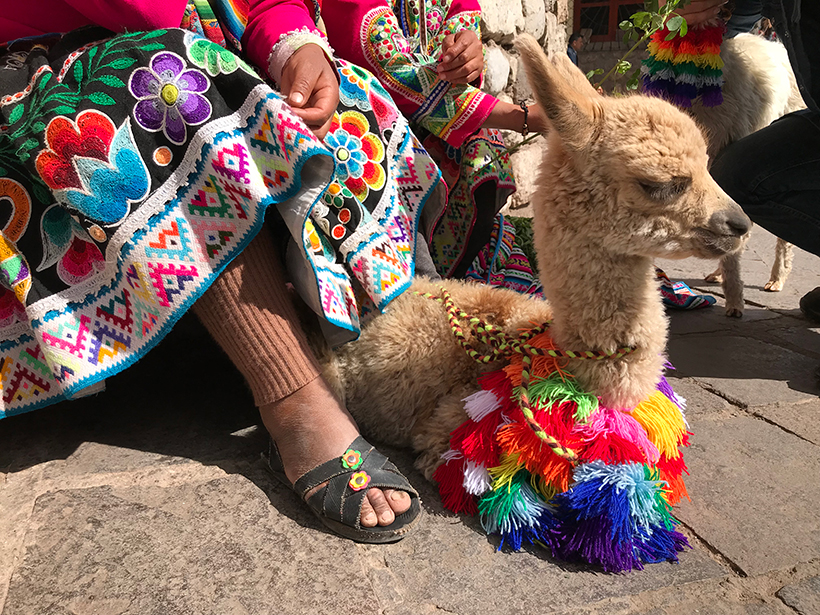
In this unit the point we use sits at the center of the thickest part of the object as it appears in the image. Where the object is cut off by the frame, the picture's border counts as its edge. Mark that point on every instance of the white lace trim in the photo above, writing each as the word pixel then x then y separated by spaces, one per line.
pixel 289 43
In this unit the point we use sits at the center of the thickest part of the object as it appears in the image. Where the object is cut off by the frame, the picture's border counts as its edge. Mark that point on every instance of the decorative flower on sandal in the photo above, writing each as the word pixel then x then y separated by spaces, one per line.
pixel 352 459
pixel 169 96
pixel 359 481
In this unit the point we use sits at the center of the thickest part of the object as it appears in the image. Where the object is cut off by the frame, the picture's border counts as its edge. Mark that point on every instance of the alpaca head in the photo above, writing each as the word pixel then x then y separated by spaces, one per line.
pixel 630 172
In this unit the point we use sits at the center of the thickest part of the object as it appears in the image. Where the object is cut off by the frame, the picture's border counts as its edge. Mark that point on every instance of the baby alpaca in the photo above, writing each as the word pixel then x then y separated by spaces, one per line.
pixel 759 87
pixel 623 181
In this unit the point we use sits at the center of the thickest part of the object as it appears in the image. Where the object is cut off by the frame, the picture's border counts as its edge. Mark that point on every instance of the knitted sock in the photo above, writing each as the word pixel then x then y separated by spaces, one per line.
pixel 249 313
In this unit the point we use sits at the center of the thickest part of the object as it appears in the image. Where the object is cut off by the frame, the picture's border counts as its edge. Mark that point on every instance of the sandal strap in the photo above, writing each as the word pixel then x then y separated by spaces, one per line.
pixel 338 500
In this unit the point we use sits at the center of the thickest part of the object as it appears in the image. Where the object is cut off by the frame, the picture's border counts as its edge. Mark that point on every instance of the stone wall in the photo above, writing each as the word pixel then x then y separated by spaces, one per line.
pixel 550 22
pixel 502 21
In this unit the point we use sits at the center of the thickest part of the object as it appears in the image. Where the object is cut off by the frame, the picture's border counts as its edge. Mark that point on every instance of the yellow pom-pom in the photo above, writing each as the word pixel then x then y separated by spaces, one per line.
pixel 663 423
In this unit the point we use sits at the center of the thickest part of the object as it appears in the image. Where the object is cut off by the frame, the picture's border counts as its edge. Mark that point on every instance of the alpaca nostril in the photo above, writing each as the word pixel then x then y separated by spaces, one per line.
pixel 731 222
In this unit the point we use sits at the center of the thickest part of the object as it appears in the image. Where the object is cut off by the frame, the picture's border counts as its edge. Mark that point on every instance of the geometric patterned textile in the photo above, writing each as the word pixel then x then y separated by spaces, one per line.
pixel 502 262
pixel 133 171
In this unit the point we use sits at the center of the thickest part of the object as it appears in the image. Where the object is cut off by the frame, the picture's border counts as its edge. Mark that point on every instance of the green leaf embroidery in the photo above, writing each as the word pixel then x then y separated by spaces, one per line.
pixel 151 46
pixel 44 80
pixel 92 54
pixel 29 144
pixel 41 193
pixel 63 109
pixel 78 72
pixel 16 114
pixel 111 81
pixel 38 126
pixel 153 34
pixel 101 98
pixel 121 63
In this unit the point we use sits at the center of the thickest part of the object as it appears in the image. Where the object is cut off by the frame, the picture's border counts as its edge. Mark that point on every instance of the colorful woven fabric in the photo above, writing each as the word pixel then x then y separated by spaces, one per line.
pixel 136 168
pixel 544 462
pixel 400 42
pixel 685 68
pixel 503 263
pixel 678 296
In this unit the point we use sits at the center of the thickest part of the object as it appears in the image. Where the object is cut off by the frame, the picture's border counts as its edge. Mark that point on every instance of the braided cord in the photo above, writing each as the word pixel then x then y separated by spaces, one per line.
pixel 502 345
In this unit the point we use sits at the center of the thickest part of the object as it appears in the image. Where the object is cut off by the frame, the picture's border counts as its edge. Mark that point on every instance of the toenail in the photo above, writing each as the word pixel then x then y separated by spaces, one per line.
pixel 398 495
pixel 370 518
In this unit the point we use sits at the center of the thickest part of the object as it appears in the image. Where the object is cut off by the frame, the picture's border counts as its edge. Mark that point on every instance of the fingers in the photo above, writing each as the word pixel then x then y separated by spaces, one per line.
pixel 464 74
pixel 310 87
pixel 700 11
pixel 463 61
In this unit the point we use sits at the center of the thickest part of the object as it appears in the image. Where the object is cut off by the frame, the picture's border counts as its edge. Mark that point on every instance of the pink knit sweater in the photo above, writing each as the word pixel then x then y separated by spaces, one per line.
pixel 268 20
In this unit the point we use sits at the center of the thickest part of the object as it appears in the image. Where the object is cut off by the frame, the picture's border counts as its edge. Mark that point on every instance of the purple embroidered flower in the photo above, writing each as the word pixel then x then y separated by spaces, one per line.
pixel 169 96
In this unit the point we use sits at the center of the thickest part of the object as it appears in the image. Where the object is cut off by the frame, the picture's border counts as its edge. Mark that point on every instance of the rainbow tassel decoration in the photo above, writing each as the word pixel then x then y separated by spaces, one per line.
pixel 608 503
pixel 685 68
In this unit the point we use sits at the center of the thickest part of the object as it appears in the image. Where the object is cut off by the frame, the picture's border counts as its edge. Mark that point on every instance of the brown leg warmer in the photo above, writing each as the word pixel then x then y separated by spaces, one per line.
pixel 249 313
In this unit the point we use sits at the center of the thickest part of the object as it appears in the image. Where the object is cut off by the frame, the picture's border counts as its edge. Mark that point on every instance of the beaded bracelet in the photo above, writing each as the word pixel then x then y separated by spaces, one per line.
pixel 525 129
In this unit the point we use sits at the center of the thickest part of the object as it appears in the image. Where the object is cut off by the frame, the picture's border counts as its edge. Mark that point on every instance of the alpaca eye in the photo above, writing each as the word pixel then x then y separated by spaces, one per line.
pixel 665 191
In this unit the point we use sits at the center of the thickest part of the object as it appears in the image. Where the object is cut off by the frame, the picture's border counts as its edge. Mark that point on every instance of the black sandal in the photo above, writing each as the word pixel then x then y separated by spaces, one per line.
pixel 338 504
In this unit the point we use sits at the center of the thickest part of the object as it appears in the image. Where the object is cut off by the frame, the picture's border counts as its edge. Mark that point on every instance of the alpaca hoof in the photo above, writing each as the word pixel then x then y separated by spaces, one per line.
pixel 774 286
pixel 714 278
pixel 733 312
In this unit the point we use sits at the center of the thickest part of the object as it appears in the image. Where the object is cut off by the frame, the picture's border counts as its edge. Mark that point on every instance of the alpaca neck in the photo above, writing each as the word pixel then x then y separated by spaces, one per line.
pixel 601 301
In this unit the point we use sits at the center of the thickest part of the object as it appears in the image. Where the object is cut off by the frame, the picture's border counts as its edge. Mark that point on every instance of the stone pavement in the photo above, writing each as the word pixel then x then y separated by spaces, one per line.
pixel 150 499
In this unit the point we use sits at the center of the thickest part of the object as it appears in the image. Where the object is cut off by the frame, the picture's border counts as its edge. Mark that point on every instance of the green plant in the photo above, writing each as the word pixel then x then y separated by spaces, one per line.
pixel 638 28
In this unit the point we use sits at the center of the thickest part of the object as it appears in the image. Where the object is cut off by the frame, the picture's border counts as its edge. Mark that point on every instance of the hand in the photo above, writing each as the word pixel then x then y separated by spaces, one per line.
pixel 310 87
pixel 462 57
pixel 699 11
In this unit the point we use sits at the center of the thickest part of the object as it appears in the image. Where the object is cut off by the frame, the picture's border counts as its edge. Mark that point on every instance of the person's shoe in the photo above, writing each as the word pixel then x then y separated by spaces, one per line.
pixel 810 304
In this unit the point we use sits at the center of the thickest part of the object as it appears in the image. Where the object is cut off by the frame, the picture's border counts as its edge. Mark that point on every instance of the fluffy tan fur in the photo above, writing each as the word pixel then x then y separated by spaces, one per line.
pixel 623 181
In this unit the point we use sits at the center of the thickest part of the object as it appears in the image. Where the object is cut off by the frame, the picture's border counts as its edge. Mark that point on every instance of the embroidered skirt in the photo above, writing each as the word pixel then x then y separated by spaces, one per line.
pixel 134 168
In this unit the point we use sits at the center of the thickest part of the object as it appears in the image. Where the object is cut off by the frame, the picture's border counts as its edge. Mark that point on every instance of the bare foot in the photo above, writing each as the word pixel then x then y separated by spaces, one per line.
pixel 310 427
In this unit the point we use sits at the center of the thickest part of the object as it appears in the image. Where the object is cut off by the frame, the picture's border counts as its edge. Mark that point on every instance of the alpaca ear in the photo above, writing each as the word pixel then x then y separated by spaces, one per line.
pixel 569 101
pixel 573 75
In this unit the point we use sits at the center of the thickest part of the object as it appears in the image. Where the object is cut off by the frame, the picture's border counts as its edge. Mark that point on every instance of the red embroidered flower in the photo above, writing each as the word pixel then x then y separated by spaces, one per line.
pixel 90 138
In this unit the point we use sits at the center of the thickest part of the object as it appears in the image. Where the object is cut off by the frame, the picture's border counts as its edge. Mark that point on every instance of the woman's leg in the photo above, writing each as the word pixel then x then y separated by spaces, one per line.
pixel 249 312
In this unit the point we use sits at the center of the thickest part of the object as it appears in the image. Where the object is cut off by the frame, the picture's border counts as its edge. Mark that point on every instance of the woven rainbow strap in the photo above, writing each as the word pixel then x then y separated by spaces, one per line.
pixel 685 68
pixel 544 462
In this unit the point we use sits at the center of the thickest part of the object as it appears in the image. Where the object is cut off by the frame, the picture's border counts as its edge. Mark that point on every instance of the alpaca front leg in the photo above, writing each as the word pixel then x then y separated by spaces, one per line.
pixel 431 436
pixel 732 284
pixel 783 259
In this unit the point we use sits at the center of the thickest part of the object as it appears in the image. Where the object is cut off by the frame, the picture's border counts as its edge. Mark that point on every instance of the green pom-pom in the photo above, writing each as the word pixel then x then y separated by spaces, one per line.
pixel 557 390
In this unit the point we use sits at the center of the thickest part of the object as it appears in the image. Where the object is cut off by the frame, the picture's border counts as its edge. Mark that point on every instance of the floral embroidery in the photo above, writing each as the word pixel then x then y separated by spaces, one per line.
pixel 359 481
pixel 93 167
pixel 352 459
pixel 358 153
pixel 336 194
pixel 214 58
pixel 14 270
pixel 169 96
pixel 67 245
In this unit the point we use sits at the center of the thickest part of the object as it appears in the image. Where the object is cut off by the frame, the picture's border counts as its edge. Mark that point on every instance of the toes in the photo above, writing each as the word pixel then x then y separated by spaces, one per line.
pixel 380 505
pixel 399 500
pixel 368 515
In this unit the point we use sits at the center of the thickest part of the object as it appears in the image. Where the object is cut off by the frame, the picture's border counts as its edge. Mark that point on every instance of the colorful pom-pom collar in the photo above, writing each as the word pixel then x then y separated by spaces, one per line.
pixel 542 461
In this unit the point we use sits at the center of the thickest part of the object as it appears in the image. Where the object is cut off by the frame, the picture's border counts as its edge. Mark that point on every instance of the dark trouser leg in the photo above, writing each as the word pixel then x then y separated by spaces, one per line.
pixel 774 175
